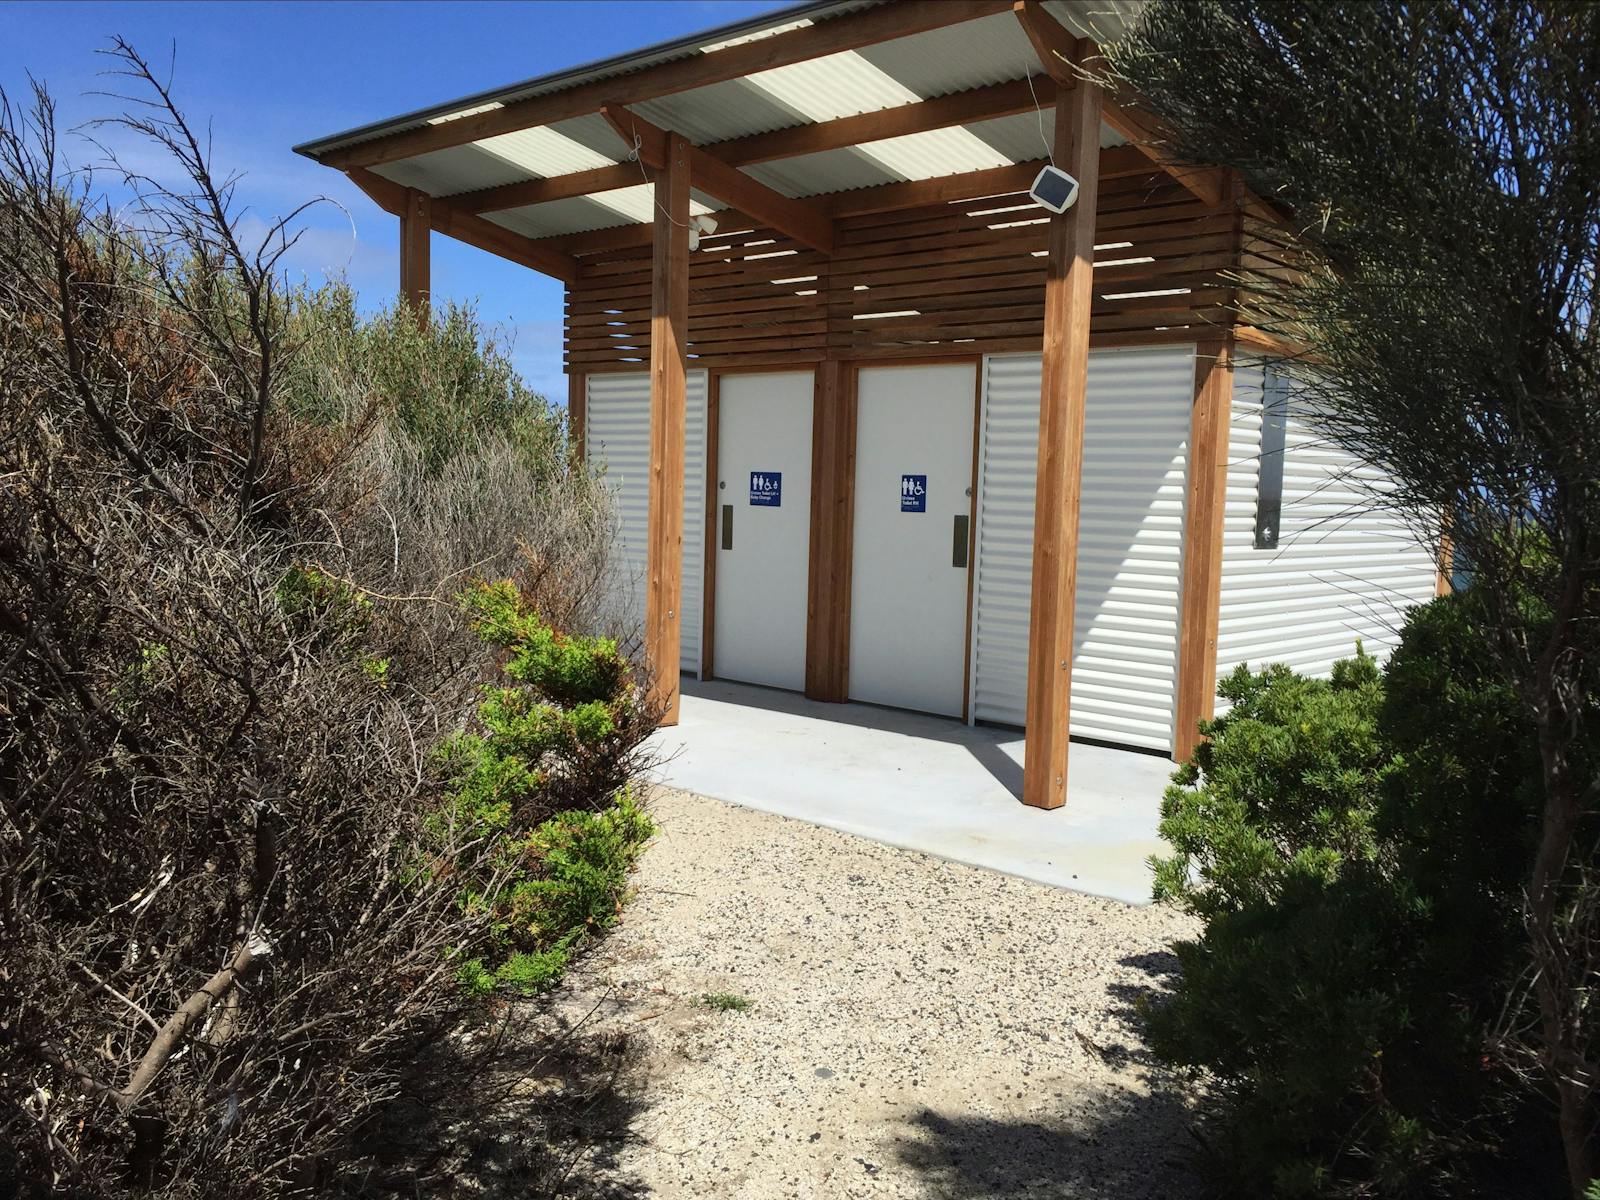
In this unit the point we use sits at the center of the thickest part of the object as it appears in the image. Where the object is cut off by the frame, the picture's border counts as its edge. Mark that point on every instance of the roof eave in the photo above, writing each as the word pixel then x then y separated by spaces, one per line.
pixel 542 85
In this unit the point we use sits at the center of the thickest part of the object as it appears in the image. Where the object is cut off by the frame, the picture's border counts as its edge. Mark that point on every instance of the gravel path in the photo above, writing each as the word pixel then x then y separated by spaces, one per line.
pixel 917 1028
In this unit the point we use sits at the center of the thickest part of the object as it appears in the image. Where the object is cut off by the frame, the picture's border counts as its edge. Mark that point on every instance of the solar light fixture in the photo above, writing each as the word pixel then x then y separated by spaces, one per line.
pixel 700 226
pixel 1054 189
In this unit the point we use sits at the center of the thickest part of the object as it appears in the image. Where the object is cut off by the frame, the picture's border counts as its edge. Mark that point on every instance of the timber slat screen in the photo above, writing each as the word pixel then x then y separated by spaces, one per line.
pixel 961 277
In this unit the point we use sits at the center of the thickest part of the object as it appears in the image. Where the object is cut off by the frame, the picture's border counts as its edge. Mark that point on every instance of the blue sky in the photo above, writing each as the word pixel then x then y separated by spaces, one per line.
pixel 270 75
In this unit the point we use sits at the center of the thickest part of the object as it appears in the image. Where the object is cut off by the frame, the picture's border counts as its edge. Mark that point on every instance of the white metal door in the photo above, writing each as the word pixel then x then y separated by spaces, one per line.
pixel 763 523
pixel 617 440
pixel 913 500
pixel 1130 542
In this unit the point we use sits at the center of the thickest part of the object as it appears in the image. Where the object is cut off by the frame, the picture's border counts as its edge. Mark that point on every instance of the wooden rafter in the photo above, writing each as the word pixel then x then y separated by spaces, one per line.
pixel 1058 49
pixel 1116 162
pixel 541 191
pixel 961 108
pixel 1210 184
pixel 850 32
pixel 914 193
pixel 474 230
pixel 1055 47
pixel 807 223
pixel 627 237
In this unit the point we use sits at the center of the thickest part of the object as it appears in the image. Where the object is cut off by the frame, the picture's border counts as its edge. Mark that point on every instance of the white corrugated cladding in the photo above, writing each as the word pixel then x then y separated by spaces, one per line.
pixel 1125 631
pixel 1344 568
pixel 618 436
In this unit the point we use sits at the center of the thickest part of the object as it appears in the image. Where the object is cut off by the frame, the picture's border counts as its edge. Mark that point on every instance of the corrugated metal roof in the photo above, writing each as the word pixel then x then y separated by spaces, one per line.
pixel 605 68
pixel 989 50
pixel 823 172
pixel 975 53
pixel 720 111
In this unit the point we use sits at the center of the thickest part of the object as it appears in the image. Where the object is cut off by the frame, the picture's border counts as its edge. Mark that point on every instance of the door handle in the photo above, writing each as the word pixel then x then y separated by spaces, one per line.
pixel 958 543
pixel 727 527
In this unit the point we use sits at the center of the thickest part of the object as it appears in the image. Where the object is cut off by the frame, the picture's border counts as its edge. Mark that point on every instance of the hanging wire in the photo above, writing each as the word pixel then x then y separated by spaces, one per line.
pixel 1049 150
pixel 636 156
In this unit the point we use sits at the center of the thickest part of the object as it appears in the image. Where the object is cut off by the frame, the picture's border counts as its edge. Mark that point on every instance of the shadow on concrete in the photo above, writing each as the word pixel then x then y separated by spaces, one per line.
pixel 983 742
pixel 986 743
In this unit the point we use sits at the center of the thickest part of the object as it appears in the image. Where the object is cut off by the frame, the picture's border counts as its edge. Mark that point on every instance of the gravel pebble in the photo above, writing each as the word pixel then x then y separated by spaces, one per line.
pixel 918 1028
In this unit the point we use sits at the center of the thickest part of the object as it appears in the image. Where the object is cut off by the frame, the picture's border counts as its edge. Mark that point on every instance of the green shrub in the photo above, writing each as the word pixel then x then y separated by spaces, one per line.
pixel 1291 777
pixel 1355 848
pixel 568 670
pixel 564 727
pixel 446 384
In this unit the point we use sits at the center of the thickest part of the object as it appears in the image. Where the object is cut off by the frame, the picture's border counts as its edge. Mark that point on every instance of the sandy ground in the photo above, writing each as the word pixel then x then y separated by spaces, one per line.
pixel 917 1028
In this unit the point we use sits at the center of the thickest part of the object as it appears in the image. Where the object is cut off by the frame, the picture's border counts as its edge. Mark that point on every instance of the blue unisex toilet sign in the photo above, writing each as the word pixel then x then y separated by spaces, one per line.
pixel 913 493
pixel 766 489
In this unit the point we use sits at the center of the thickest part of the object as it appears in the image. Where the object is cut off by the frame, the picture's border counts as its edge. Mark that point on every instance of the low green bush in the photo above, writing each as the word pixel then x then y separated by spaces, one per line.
pixel 566 723
pixel 1355 848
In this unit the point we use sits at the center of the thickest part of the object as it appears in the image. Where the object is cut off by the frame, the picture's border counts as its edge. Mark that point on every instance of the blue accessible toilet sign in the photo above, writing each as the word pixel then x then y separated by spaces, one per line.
pixel 766 489
pixel 913 493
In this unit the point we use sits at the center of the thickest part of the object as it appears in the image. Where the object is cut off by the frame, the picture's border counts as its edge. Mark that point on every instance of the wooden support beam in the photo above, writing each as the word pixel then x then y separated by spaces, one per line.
pixel 1056 48
pixel 1444 580
pixel 669 329
pixel 474 230
pixel 960 108
pixel 1209 184
pixel 416 230
pixel 541 191
pixel 868 27
pixel 1115 162
pixel 578 414
pixel 833 477
pixel 1059 483
pixel 889 197
pixel 1207 491
pixel 806 223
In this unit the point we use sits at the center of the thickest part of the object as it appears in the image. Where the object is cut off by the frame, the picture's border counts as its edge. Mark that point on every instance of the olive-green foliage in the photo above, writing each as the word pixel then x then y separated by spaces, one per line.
pixel 559 878
pixel 1354 848
pixel 1292 771
pixel 446 384
pixel 571 671
pixel 726 1002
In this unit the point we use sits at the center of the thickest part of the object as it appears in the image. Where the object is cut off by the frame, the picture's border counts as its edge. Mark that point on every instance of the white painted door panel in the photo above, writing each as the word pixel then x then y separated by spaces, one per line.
pixel 617 441
pixel 908 611
pixel 763 499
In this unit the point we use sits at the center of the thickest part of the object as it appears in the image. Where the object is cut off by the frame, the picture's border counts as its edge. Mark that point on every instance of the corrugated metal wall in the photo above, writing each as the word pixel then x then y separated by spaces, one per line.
pixel 1125 645
pixel 618 436
pixel 1343 569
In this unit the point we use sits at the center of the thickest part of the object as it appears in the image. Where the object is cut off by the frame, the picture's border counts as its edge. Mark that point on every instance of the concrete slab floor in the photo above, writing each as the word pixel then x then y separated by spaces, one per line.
pixel 919 782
